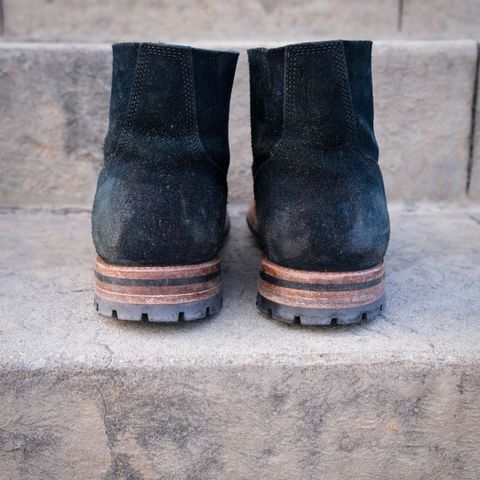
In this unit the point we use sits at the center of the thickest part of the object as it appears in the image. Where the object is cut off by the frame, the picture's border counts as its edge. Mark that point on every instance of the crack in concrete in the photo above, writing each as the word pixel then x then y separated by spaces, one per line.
pixel 400 15
pixel 475 219
pixel 105 425
pixel 104 404
pixel 471 137
pixel 2 18
pixel 110 351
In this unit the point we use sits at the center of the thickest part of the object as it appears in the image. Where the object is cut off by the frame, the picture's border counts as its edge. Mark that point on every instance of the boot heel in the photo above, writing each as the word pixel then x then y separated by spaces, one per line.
pixel 320 298
pixel 158 294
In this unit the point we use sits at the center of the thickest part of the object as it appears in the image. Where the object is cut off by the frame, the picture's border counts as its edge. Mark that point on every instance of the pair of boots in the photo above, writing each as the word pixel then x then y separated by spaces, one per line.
pixel 320 214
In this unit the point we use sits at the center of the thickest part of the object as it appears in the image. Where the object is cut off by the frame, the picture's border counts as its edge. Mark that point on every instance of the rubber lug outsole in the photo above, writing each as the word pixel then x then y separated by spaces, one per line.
pixel 182 312
pixel 311 316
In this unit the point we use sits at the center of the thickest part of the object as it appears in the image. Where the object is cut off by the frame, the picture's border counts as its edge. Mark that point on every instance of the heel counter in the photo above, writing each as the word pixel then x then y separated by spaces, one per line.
pixel 145 217
pixel 322 219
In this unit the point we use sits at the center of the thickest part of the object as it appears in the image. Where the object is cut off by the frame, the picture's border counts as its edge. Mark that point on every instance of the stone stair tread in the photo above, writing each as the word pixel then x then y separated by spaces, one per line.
pixel 48 319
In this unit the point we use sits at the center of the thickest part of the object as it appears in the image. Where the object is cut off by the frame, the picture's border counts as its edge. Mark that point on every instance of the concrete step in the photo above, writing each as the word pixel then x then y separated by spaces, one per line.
pixel 239 395
pixel 185 20
pixel 54 109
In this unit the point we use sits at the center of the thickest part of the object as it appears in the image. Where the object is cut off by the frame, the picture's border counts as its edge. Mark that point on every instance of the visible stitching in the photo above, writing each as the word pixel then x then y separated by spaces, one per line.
pixel 339 66
pixel 137 88
pixel 352 139
pixel 193 137
pixel 188 86
pixel 139 81
pixel 346 94
pixel 292 54
pixel 136 95
pixel 138 84
pixel 132 106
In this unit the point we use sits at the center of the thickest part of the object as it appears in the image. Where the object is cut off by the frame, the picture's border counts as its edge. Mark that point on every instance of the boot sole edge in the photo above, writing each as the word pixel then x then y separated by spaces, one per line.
pixel 320 298
pixel 158 294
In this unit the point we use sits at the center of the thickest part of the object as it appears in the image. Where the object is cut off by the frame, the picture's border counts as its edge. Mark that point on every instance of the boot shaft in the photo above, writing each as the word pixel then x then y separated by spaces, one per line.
pixel 319 94
pixel 162 193
pixel 319 194
pixel 168 97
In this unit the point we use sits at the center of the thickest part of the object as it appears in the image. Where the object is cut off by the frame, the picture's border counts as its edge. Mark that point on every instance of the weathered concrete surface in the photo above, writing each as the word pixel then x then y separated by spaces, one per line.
pixel 424 93
pixel 239 395
pixel 440 19
pixel 53 114
pixel 186 20
pixel 93 21
pixel 54 102
pixel 240 182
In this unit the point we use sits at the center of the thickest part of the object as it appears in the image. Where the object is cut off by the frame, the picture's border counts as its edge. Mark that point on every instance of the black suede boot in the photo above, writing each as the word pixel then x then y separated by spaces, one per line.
pixel 159 215
pixel 320 212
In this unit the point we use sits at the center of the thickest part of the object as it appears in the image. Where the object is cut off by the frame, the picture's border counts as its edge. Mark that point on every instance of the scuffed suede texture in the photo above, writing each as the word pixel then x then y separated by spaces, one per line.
pixel 266 101
pixel 318 188
pixel 162 193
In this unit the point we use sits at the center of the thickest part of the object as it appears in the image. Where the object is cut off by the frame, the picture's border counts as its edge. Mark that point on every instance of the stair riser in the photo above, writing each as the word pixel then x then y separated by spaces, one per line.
pixel 242 421
pixel 54 109
pixel 90 20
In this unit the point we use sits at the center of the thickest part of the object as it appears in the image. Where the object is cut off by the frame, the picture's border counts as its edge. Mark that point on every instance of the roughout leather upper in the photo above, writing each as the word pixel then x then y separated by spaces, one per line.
pixel 162 193
pixel 318 188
